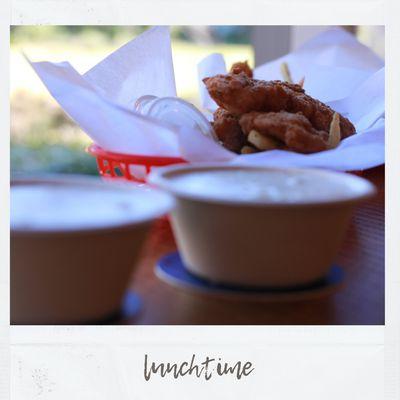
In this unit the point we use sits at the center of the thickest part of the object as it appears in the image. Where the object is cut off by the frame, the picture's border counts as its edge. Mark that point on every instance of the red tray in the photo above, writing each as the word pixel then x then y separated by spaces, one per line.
pixel 117 166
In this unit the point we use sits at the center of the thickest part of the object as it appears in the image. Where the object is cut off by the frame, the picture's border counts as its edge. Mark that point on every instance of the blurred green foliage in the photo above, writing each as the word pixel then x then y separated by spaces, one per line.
pixel 197 34
pixel 44 139
pixel 56 158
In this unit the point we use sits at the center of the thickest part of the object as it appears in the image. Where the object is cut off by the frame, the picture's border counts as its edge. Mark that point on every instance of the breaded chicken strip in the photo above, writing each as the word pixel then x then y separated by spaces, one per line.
pixel 228 130
pixel 239 94
pixel 294 130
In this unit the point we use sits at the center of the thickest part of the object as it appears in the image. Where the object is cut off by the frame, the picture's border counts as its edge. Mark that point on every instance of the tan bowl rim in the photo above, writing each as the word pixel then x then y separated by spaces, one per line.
pixel 161 179
pixel 161 207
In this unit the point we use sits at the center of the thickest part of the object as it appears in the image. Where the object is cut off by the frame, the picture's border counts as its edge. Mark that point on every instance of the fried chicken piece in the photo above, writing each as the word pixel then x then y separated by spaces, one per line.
pixel 239 94
pixel 294 130
pixel 228 130
pixel 241 66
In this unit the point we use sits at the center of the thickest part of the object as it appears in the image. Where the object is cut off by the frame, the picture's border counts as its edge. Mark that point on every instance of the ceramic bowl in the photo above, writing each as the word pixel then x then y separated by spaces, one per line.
pixel 74 246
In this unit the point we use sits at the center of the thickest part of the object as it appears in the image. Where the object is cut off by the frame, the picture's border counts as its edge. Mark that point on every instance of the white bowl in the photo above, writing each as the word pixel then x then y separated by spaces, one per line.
pixel 74 242
pixel 232 225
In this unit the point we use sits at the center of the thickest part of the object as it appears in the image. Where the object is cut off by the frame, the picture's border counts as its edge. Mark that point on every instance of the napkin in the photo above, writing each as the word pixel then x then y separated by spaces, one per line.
pixel 337 69
pixel 101 101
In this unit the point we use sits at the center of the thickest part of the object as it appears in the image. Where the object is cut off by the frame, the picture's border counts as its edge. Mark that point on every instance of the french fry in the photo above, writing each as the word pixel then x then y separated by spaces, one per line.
pixel 334 131
pixel 286 72
pixel 262 142
pixel 248 150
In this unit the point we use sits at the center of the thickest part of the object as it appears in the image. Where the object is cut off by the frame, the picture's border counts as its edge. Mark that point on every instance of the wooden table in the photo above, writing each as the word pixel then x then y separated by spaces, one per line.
pixel 359 301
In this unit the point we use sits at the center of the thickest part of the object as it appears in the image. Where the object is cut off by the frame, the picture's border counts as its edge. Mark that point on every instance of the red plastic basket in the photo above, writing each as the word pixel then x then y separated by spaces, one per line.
pixel 117 166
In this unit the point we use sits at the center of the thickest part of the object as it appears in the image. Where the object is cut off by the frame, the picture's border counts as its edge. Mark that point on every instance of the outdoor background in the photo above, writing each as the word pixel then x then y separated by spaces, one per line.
pixel 44 139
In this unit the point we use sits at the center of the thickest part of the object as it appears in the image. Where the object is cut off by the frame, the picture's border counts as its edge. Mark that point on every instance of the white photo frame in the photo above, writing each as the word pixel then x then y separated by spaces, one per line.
pixel 310 362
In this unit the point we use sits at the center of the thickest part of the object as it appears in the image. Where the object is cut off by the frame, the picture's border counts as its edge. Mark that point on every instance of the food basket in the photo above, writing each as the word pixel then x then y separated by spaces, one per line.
pixel 120 166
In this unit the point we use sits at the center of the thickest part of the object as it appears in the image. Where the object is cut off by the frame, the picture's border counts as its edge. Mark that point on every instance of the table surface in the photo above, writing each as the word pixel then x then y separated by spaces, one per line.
pixel 359 301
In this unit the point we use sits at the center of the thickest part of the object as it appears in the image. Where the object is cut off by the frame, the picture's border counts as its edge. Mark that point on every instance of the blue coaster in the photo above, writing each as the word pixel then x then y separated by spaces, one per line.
pixel 171 269
pixel 131 305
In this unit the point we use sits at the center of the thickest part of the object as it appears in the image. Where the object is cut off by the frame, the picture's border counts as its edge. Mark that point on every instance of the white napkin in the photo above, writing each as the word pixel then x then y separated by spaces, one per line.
pixel 141 67
pixel 338 70
pixel 101 101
